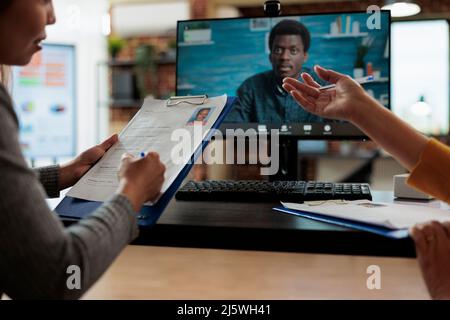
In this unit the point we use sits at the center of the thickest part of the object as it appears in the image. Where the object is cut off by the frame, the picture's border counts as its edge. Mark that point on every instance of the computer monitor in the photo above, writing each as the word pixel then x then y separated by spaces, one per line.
pixel 44 97
pixel 248 57
pixel 420 74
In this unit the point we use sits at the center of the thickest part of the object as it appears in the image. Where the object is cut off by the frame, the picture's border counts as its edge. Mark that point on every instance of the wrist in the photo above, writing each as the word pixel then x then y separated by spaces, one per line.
pixel 127 190
pixel 362 106
pixel 66 177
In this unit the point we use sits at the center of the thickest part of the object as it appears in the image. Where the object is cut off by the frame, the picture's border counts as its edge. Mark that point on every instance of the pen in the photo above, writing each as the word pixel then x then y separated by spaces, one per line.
pixel 359 80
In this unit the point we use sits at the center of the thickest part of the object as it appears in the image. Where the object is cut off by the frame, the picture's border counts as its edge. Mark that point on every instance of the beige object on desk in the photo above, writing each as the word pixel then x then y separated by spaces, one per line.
pixel 402 190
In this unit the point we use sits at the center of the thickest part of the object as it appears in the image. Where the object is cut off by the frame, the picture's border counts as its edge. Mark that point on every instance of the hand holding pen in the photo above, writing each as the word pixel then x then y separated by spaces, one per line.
pixel 141 179
pixel 362 80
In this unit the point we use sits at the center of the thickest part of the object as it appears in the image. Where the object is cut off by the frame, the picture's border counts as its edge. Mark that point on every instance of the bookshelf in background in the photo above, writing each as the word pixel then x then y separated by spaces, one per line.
pixel 144 66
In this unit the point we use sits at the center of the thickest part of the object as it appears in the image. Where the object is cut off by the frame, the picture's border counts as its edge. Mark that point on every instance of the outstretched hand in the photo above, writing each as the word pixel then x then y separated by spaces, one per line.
pixel 335 103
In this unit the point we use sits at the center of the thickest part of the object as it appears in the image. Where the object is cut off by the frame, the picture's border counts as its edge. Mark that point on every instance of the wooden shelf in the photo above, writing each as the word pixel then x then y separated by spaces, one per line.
pixel 197 43
pixel 345 35
pixel 124 63
pixel 379 80
pixel 125 103
pixel 132 63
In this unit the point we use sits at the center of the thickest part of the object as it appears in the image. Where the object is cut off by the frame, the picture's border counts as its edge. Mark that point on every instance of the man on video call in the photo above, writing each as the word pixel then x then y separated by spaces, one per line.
pixel 261 98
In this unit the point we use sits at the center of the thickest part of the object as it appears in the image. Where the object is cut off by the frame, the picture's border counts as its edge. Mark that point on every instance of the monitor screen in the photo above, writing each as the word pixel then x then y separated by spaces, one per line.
pixel 420 74
pixel 240 57
pixel 44 98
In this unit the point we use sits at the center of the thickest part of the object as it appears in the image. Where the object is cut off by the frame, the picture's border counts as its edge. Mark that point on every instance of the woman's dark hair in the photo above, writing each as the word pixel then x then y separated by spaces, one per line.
pixel 290 27
pixel 4 70
pixel 5 4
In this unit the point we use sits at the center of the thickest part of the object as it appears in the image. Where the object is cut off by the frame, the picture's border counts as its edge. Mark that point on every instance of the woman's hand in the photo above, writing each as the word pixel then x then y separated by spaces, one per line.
pixel 341 102
pixel 433 253
pixel 141 180
pixel 72 171
pixel 348 101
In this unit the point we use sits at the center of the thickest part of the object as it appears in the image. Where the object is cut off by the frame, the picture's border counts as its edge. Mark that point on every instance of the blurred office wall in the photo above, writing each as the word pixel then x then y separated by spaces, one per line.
pixel 82 23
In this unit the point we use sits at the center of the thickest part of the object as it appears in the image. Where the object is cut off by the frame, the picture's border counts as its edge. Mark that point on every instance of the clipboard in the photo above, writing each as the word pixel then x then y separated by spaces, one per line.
pixel 77 209
pixel 351 224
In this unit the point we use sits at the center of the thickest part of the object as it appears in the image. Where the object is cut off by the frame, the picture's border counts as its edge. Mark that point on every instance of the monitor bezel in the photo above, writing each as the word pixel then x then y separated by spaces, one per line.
pixel 354 132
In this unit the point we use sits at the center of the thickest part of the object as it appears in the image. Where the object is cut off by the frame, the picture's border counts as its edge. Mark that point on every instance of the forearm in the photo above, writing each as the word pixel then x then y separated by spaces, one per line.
pixel 36 266
pixel 35 248
pixel 126 189
pixel 432 173
pixel 388 131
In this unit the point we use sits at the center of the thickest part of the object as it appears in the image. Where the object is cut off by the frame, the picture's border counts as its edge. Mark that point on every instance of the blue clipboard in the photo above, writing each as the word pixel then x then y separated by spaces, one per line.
pixel 382 231
pixel 77 209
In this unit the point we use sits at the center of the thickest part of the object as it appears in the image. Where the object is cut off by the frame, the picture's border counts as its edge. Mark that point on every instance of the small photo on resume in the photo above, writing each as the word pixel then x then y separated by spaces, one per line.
pixel 200 115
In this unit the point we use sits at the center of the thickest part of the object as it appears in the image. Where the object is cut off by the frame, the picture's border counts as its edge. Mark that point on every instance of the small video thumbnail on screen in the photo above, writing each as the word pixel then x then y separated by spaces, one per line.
pixel 249 57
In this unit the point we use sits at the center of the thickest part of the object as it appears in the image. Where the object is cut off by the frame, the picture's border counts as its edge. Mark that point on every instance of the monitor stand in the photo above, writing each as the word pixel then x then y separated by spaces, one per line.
pixel 293 167
pixel 289 160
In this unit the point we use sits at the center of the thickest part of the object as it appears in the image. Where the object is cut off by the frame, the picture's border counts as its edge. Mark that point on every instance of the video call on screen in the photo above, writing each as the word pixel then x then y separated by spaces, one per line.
pixel 239 57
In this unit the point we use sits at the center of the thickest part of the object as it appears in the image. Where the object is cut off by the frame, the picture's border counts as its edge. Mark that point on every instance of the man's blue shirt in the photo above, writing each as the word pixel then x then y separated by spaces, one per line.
pixel 262 100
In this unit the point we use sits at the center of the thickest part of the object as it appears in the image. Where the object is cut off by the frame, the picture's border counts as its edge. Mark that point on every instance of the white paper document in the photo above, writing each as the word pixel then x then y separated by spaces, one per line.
pixel 174 132
pixel 390 215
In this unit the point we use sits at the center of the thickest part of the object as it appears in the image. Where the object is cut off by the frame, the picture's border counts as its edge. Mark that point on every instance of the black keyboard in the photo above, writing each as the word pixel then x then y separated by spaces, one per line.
pixel 266 191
